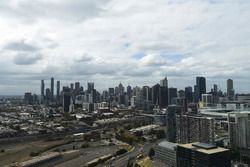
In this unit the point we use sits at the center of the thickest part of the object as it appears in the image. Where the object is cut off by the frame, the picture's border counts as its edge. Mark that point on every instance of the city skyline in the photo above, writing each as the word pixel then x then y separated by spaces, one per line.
pixel 90 40
pixel 46 84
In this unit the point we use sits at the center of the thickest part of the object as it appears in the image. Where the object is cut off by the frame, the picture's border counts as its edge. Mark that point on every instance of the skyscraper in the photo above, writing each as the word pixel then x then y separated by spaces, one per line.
pixel 52 87
pixel 163 94
pixel 201 86
pixel 91 86
pixel 171 123
pixel 42 89
pixel 172 93
pixel 66 99
pixel 164 82
pixel 57 90
pixel 230 89
pixel 155 93
pixel 129 91
pixel 189 94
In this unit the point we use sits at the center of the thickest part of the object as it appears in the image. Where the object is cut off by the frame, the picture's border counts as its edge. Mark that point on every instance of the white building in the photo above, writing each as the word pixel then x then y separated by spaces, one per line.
pixel 239 130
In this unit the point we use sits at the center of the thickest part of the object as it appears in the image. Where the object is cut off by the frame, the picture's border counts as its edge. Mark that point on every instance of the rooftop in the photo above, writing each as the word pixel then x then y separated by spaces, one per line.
pixel 168 145
pixel 203 148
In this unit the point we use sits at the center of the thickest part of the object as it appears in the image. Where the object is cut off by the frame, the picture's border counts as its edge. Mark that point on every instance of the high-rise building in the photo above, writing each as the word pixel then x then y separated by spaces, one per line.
pixel 171 131
pixel 155 94
pixel 164 82
pixel 163 97
pixel 163 94
pixel 215 88
pixel 91 86
pixel 28 98
pixel 66 99
pixel 120 89
pixel 42 90
pixel 111 91
pixel 71 87
pixel 195 128
pixel 230 89
pixel 181 93
pixel 189 94
pixel 239 130
pixel 57 90
pixel 77 85
pixel 172 93
pixel 202 154
pixel 129 91
pixel 146 93
pixel 48 94
pixel 52 87
pixel 201 86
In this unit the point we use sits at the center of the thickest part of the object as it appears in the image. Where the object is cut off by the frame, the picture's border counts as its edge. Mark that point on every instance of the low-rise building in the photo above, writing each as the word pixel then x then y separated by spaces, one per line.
pixel 166 153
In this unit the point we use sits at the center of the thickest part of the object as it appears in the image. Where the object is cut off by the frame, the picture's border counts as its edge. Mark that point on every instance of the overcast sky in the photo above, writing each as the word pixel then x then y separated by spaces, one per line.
pixel 128 41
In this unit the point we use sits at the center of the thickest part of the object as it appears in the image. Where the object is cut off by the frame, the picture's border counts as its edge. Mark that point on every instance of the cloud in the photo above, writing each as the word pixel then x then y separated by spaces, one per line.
pixel 27 59
pixel 32 11
pixel 21 46
pixel 109 41
pixel 84 58
pixel 152 60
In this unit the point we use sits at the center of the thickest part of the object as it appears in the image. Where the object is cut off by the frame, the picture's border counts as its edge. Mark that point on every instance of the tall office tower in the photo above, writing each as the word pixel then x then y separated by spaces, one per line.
pixel 181 93
pixel 42 90
pixel 129 91
pixel 145 93
pixel 171 131
pixel 196 94
pixel 215 88
pixel 111 91
pixel 202 154
pixel 58 90
pixel 48 94
pixel 120 89
pixel 66 99
pixel 189 94
pixel 77 85
pixel 91 86
pixel 52 87
pixel 172 93
pixel 105 96
pixel 28 98
pixel 215 94
pixel 201 86
pixel 163 94
pixel 77 89
pixel 71 87
pixel 239 130
pixel 116 90
pixel 155 94
pixel 194 128
pixel 164 82
pixel 230 89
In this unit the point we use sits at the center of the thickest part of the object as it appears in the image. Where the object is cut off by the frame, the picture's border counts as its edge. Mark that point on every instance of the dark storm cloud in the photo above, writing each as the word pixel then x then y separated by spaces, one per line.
pixel 27 58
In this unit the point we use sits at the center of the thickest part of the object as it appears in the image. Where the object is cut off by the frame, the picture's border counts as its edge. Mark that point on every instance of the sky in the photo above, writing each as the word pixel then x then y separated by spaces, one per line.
pixel 133 42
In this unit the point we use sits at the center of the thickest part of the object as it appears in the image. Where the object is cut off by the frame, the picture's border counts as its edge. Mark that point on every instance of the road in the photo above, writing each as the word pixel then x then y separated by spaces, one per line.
pixel 122 160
